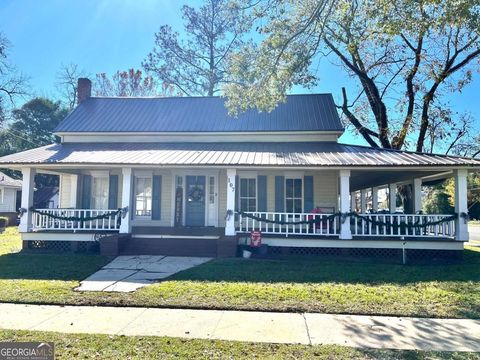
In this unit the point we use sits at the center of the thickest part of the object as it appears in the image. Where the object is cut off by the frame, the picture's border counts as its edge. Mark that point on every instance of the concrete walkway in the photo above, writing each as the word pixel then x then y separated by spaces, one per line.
pixel 289 328
pixel 129 273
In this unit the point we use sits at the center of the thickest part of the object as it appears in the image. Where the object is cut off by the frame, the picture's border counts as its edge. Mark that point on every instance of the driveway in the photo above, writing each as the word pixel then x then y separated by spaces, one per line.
pixel 129 273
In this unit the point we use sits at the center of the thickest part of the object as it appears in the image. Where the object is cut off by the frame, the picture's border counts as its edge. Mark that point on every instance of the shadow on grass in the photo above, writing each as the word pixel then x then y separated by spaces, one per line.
pixel 28 266
pixel 309 269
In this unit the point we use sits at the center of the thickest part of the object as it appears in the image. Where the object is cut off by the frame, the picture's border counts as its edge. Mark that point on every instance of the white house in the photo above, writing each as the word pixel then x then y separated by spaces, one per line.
pixel 10 191
pixel 180 176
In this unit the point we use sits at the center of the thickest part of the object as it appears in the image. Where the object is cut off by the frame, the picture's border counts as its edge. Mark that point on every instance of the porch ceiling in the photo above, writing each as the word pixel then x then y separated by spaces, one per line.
pixel 318 154
pixel 364 179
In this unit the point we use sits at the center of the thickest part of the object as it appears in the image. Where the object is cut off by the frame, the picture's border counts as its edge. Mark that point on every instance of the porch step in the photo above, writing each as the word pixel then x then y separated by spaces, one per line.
pixel 177 246
pixel 180 231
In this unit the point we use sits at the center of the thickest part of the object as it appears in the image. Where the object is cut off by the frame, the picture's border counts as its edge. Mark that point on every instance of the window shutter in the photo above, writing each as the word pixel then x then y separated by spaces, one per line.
pixel 156 197
pixel 307 193
pixel 86 191
pixel 112 191
pixel 262 193
pixel 279 193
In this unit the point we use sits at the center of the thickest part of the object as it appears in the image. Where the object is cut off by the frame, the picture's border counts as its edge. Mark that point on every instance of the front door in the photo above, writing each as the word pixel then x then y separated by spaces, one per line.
pixel 195 204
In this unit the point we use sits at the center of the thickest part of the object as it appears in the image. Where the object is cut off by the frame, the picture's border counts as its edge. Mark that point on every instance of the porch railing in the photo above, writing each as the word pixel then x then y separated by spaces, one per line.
pixel 322 224
pixel 45 219
pixel 400 225
pixel 374 225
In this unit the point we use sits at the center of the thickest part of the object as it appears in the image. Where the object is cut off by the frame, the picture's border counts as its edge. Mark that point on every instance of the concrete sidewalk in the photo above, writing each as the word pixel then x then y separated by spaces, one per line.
pixel 289 328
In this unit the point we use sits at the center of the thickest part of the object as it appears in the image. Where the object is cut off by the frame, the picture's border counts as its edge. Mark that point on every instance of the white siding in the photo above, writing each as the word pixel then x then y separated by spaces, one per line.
pixel 7 199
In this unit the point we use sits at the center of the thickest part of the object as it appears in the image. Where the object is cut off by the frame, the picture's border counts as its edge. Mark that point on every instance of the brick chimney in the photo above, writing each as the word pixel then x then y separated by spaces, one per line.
pixel 84 89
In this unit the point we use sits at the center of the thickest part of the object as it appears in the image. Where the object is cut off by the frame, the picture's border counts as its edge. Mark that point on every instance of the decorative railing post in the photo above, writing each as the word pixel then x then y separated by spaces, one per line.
pixel 231 188
pixel 28 183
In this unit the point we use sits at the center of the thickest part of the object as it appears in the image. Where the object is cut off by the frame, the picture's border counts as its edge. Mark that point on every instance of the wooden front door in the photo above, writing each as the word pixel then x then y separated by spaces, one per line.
pixel 195 201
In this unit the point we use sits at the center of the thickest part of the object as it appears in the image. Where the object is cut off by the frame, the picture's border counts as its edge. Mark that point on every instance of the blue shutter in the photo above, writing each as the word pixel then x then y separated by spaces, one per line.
pixel 279 193
pixel 262 193
pixel 307 193
pixel 86 191
pixel 112 191
pixel 156 197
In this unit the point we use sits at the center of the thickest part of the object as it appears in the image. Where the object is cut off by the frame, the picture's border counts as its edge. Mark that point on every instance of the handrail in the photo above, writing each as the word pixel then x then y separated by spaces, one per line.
pixel 42 220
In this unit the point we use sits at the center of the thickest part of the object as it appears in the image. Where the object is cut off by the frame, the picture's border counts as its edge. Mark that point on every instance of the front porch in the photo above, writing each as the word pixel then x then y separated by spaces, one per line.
pixel 302 208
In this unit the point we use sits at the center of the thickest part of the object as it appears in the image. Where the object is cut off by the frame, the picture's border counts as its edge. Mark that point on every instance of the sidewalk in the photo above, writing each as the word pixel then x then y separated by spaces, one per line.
pixel 289 328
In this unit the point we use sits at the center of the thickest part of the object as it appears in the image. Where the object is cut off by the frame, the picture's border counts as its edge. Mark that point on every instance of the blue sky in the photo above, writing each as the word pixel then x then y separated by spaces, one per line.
pixel 110 35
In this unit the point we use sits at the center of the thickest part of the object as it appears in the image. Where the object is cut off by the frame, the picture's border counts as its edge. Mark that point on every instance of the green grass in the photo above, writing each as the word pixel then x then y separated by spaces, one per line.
pixel 69 346
pixel 289 284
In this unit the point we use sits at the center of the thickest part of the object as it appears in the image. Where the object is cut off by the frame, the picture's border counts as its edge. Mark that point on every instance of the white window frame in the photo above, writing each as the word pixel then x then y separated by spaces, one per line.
pixel 245 176
pixel 294 177
pixel 142 175
pixel 92 192
pixel 2 195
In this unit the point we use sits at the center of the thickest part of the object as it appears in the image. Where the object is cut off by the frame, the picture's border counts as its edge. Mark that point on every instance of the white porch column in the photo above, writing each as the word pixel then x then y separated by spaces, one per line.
pixel 392 197
pixel 345 231
pixel 127 188
pixel 461 206
pixel 353 201
pixel 231 188
pixel 28 184
pixel 73 190
pixel 417 195
pixel 375 199
pixel 363 201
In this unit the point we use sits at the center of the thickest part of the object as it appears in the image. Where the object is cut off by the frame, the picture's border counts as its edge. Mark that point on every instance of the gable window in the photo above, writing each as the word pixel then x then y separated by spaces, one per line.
pixel 293 195
pixel 248 194
pixel 143 196
pixel 99 192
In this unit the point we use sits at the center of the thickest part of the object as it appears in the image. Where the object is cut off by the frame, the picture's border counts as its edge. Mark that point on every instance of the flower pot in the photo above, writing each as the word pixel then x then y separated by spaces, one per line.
pixel 247 254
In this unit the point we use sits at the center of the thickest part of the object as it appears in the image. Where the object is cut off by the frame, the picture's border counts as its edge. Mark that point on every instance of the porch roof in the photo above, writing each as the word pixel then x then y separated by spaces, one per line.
pixel 319 154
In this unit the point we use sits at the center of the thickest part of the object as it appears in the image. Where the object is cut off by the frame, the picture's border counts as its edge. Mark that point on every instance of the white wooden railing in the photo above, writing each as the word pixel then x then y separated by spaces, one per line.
pixel 46 222
pixel 396 225
pixel 322 226
pixel 383 225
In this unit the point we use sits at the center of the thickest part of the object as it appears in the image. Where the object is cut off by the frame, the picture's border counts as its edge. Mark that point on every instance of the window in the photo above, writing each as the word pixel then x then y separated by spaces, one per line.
pixel 248 194
pixel 99 193
pixel 211 190
pixel 293 195
pixel 143 196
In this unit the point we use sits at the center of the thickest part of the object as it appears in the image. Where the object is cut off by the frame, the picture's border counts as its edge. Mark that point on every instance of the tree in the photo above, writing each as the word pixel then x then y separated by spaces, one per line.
pixel 406 57
pixel 66 83
pixel 12 83
pixel 32 125
pixel 197 65
pixel 127 83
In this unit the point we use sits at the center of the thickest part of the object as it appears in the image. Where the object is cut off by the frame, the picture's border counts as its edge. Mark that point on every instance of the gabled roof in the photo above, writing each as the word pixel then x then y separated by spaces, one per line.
pixel 314 112
pixel 317 154
pixel 6 180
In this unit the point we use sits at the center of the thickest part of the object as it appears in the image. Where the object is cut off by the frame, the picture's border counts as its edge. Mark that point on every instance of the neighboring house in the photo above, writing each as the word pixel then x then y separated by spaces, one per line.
pixel 10 194
pixel 192 180
pixel 46 197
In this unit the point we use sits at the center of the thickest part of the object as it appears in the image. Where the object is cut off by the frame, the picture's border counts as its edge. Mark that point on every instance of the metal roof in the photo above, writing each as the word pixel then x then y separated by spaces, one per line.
pixel 8 181
pixel 319 154
pixel 314 112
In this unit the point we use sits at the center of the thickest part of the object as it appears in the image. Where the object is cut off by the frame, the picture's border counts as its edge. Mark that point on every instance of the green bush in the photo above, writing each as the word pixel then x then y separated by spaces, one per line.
pixel 3 222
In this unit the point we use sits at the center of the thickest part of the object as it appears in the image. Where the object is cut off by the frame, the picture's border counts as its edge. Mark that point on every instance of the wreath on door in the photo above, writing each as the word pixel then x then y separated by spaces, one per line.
pixel 196 194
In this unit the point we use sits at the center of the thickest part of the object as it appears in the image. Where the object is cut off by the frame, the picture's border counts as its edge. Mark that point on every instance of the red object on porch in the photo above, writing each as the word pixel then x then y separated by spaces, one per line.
pixel 255 238
pixel 316 210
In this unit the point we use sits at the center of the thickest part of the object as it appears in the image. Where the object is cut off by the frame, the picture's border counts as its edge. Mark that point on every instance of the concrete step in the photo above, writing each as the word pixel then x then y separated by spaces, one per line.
pixel 171 246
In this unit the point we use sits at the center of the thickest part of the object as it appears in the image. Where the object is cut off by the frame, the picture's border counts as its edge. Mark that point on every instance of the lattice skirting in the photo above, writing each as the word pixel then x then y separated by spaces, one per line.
pixel 63 246
pixel 394 254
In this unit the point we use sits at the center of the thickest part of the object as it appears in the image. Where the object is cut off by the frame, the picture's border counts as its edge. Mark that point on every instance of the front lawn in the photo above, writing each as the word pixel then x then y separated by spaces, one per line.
pixel 314 284
pixel 76 346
